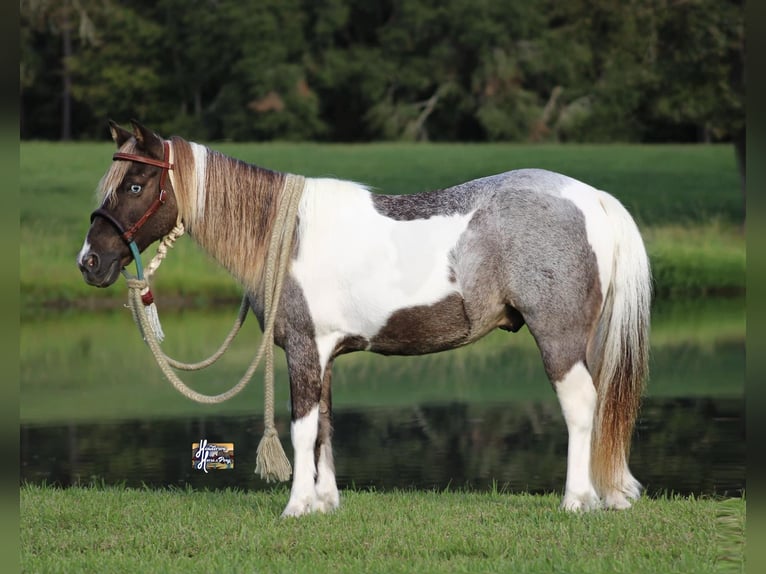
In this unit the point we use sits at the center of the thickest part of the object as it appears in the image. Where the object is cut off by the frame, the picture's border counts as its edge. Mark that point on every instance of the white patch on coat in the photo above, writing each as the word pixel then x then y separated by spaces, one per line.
pixel 357 267
pixel 598 227
pixel 577 397
pixel 86 249
pixel 303 433
pixel 325 345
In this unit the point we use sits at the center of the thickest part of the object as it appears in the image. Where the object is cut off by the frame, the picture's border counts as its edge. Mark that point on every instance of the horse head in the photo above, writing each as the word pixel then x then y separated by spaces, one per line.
pixel 138 205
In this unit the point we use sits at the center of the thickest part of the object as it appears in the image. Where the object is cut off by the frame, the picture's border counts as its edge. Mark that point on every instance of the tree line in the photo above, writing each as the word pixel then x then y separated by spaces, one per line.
pixel 362 70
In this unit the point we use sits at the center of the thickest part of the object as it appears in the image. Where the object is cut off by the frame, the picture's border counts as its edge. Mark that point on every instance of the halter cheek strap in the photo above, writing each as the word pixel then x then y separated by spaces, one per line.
pixel 128 236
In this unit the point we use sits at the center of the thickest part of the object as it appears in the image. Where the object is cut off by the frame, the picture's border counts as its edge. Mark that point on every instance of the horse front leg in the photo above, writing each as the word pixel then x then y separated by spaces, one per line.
pixel 305 391
pixel 328 497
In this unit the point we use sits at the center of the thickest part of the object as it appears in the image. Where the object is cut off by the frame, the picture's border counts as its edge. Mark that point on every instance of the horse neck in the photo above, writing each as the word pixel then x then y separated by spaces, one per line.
pixel 228 207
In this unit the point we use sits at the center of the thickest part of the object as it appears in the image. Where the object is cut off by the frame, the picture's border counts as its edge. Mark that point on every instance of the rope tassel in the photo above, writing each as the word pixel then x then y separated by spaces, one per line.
pixel 151 312
pixel 271 462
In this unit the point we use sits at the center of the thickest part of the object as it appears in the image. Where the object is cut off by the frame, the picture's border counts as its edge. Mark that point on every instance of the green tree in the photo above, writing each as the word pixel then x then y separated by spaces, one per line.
pixel 516 70
pixel 120 74
pixel 266 94
pixel 344 63
pixel 200 51
pixel 601 54
pixel 69 21
pixel 701 71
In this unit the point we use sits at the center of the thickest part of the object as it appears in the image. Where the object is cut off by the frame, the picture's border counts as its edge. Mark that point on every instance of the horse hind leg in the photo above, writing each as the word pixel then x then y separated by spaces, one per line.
pixel 328 498
pixel 590 440
pixel 577 397
pixel 562 339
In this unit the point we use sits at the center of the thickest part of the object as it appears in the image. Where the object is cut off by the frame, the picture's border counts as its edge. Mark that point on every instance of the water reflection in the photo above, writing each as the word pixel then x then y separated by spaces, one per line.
pixel 682 445
pixel 97 368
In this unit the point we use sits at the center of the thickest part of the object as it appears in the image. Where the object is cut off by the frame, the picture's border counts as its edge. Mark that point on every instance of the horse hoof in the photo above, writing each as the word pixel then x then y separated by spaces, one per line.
pixel 581 502
pixel 294 510
pixel 616 501
pixel 327 502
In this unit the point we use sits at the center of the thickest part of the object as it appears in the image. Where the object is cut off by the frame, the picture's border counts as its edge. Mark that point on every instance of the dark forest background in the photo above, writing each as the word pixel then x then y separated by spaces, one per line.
pixel 361 70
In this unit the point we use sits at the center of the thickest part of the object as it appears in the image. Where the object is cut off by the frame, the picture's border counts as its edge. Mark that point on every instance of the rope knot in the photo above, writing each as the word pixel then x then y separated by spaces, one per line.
pixel 136 283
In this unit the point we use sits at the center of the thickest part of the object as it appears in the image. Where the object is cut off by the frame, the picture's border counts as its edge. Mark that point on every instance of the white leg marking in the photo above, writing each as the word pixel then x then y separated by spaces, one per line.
pixel 577 397
pixel 303 494
pixel 328 497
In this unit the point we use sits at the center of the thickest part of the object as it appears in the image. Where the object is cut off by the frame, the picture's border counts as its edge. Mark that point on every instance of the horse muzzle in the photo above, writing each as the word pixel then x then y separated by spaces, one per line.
pixel 99 270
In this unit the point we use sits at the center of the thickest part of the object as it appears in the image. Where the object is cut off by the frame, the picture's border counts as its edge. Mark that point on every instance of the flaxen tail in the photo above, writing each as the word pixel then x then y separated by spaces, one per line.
pixel 621 348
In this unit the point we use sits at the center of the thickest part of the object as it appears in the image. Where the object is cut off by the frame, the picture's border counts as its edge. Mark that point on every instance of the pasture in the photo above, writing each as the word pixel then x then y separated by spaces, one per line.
pixel 81 359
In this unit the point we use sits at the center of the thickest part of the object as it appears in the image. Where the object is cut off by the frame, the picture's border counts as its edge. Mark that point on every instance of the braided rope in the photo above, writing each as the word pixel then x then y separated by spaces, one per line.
pixel 151 309
pixel 271 462
pixel 162 250
pixel 154 322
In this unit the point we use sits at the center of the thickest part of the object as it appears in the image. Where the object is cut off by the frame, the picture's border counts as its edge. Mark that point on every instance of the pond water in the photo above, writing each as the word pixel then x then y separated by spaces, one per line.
pixel 682 445
pixel 95 409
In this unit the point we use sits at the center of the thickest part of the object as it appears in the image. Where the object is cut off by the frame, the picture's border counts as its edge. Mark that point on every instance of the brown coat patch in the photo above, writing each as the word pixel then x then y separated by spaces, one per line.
pixel 424 329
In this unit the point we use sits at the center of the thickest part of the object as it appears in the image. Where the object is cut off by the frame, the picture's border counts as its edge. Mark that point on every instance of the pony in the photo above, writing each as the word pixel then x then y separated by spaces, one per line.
pixel 409 275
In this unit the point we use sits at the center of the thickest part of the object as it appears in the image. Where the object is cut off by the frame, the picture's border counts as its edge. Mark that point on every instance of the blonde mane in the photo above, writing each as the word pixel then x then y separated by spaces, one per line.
pixel 228 206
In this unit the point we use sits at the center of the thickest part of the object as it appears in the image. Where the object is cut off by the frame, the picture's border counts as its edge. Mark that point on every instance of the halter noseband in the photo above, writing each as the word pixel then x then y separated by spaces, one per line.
pixel 127 236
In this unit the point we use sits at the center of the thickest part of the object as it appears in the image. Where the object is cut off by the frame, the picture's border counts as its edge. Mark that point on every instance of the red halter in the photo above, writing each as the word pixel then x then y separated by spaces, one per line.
pixel 127 236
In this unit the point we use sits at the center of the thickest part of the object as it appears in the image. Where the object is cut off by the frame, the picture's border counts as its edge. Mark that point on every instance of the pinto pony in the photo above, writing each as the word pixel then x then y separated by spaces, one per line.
pixel 409 275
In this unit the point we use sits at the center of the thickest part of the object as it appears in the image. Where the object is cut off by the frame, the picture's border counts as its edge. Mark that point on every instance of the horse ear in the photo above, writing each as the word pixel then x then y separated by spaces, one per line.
pixel 119 134
pixel 148 141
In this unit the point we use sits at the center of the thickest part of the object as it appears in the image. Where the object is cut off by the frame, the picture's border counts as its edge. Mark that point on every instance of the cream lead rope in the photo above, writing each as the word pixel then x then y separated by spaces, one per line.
pixel 271 462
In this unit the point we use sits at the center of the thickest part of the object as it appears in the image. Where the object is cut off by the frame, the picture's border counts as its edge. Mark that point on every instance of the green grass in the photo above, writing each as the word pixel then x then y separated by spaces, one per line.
pixel 116 529
pixel 686 199
pixel 700 260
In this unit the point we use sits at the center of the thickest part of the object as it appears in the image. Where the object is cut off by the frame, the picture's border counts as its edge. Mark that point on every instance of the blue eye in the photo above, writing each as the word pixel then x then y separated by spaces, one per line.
pixel 135 188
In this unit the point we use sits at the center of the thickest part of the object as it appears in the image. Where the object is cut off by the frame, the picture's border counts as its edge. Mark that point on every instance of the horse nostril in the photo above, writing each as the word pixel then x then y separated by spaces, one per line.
pixel 90 262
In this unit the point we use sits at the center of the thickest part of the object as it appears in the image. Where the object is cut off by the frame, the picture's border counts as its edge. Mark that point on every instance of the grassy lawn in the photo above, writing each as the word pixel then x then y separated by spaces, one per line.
pixel 685 198
pixel 122 530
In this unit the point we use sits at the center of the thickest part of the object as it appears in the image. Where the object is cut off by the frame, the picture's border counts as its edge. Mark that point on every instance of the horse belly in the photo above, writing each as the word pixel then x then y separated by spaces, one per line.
pixel 424 329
